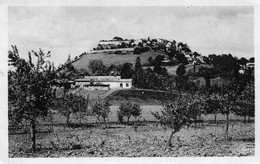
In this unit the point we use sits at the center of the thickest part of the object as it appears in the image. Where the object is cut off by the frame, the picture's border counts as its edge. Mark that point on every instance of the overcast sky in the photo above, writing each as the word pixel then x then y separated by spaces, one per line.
pixel 74 30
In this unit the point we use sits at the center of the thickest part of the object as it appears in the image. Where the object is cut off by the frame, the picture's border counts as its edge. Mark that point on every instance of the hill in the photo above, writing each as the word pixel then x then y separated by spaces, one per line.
pixel 109 59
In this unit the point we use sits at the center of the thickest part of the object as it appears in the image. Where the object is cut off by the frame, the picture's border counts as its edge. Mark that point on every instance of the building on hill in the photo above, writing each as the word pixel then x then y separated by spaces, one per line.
pixel 103 83
pixel 114 42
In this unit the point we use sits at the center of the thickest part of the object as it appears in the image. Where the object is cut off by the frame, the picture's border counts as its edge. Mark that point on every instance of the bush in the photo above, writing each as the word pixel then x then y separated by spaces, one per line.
pixel 139 50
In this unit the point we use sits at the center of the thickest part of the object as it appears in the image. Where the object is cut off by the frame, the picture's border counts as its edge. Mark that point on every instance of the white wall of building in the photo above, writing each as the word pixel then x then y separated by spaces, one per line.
pixel 114 82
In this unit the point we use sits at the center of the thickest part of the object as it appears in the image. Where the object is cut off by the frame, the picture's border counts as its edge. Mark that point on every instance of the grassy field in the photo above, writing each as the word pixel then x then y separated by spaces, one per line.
pixel 138 96
pixel 146 140
pixel 115 59
pixel 115 97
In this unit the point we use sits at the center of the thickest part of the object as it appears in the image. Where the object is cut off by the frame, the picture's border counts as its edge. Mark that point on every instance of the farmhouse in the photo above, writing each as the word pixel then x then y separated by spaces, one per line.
pixel 103 83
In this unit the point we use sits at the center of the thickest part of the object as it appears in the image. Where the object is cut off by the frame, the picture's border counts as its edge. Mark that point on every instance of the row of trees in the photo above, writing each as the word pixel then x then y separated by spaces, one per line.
pixel 187 109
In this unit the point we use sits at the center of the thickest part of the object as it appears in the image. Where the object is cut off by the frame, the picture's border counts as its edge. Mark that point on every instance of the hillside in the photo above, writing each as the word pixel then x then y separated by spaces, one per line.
pixel 115 59
pixel 115 97
pixel 172 69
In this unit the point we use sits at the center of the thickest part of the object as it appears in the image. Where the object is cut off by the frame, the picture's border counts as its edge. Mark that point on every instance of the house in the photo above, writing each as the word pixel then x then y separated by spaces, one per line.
pixel 103 83
pixel 250 65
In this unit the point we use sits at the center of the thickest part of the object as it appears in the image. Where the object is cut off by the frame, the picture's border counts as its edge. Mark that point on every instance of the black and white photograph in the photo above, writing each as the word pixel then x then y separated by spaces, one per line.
pixel 130 81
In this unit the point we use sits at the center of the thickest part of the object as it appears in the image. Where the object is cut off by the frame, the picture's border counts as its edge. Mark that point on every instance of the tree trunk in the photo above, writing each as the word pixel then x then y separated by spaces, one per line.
pixel 68 119
pixel 170 139
pixel 105 122
pixel 244 118
pixel 128 118
pixel 33 134
pixel 207 80
pixel 227 125
pixel 98 119
pixel 79 118
pixel 215 118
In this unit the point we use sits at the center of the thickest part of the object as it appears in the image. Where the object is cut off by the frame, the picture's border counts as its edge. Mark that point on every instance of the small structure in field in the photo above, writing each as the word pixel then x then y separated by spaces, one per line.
pixel 103 83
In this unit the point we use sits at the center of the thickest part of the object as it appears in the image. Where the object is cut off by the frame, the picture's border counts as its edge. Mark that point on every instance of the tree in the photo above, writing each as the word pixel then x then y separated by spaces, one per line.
pixel 181 58
pixel 175 115
pixel 29 91
pixel 252 60
pixel 181 70
pixel 246 102
pixel 68 60
pixel 101 109
pixel 243 61
pixel 126 71
pixel 138 73
pixel 127 109
pixel 80 106
pixel 226 65
pixel 97 67
pixel 66 106
pixel 149 78
pixel 136 110
pixel 228 105
pixel 158 60
pixel 207 73
pixel 213 105
pixel 150 60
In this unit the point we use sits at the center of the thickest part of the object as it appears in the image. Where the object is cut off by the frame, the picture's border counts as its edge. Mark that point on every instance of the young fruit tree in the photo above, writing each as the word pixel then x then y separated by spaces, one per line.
pixel 175 114
pixel 29 91
pixel 101 109
pixel 228 105
pixel 127 109
pixel 81 106
pixel 246 102
pixel 213 105
pixel 63 105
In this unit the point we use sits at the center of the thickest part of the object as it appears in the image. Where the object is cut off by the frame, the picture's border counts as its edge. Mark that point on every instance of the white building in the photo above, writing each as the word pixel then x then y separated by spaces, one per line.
pixel 103 83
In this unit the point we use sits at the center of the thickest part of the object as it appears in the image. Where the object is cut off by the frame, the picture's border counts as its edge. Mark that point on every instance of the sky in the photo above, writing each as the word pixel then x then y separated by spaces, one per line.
pixel 74 30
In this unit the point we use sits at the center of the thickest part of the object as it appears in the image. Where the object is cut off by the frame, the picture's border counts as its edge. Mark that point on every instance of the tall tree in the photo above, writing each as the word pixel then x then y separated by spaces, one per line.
pixel 30 93
pixel 207 73
pixel 181 70
pixel 126 71
pixel 138 73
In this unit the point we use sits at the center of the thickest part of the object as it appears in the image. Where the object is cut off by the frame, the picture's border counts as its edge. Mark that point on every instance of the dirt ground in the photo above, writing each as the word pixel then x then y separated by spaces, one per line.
pixel 148 140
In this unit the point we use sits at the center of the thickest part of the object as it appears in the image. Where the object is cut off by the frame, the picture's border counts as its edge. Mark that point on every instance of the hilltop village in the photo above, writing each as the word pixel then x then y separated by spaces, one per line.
pixel 118 63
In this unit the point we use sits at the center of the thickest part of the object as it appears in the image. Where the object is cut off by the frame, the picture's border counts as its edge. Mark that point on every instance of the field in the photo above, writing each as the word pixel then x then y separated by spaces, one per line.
pixel 138 96
pixel 115 97
pixel 109 59
pixel 144 138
